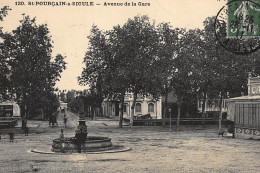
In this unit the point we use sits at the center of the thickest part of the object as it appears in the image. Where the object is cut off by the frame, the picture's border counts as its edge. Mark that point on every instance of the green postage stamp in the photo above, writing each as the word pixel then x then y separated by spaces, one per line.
pixel 237 26
pixel 243 18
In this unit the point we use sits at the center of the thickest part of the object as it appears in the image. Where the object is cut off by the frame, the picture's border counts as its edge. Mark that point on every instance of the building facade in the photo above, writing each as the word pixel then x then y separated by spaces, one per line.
pixel 245 111
pixel 63 105
pixel 212 107
pixel 9 109
pixel 143 106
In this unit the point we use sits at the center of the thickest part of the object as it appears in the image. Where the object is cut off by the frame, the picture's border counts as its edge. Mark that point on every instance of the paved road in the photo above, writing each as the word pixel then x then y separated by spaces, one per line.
pixel 155 149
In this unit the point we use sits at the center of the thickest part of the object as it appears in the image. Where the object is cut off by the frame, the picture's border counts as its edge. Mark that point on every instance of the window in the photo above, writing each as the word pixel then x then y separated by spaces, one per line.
pixel 138 107
pixel 200 104
pixel 246 114
pixel 124 108
pixel 150 107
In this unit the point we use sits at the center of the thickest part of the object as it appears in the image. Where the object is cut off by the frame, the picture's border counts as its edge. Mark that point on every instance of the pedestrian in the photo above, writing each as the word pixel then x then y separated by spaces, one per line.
pixel 50 120
pixel 78 141
pixel 65 120
pixel 61 134
pixel 55 121
pixel 11 136
pixel 26 131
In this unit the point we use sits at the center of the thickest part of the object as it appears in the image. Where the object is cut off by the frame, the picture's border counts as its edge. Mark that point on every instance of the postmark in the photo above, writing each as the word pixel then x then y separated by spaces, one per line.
pixel 237 26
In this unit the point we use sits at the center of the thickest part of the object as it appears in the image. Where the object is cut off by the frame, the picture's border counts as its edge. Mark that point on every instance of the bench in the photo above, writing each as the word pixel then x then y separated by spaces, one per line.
pixel 8 123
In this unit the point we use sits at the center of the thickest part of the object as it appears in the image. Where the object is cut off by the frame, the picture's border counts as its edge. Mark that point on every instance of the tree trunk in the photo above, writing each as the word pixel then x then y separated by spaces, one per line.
pixel 92 113
pixel 132 111
pixel 187 108
pixel 165 109
pixel 179 116
pixel 203 108
pixel 85 109
pixel 101 111
pixel 95 112
pixel 122 111
pixel 220 111
pixel 23 110
pixel 23 116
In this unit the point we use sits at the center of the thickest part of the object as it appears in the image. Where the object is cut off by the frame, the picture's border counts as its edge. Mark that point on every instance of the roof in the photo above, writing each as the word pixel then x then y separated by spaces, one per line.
pixel 246 98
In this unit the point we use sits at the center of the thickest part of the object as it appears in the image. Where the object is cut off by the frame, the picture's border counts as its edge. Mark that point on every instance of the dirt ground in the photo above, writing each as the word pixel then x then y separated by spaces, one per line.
pixel 154 149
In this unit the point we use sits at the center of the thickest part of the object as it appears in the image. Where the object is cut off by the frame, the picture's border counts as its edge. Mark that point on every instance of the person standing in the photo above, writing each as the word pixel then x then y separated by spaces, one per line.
pixel 61 134
pixel 26 131
pixel 11 136
pixel 78 141
pixel 65 119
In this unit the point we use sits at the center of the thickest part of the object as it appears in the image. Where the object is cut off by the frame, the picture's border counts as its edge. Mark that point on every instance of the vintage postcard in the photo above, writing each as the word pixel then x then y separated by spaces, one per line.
pixel 129 86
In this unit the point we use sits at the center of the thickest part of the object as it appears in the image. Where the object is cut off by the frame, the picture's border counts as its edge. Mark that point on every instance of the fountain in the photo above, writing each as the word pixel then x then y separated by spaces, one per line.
pixel 82 142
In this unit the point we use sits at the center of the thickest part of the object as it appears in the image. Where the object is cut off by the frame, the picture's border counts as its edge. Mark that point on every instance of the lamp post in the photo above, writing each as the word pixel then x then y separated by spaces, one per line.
pixel 170 119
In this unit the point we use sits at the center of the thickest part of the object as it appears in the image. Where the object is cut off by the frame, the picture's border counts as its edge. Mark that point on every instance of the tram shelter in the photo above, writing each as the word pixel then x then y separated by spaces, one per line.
pixel 245 111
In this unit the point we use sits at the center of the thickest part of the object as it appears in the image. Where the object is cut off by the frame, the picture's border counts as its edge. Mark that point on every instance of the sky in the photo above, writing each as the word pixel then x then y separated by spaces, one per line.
pixel 70 25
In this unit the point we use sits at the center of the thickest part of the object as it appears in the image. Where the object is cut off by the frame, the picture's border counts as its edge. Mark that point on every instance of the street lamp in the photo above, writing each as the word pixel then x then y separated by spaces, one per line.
pixel 170 118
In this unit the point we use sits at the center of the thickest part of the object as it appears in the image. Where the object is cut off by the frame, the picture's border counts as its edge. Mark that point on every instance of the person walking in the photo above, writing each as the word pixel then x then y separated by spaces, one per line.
pixel 65 119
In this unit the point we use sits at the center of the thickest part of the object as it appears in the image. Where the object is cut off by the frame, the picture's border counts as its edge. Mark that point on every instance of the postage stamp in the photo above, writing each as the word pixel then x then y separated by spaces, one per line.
pixel 237 26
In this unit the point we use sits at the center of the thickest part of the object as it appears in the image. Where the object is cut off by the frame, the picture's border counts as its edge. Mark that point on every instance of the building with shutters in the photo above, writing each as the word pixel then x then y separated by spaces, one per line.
pixel 143 106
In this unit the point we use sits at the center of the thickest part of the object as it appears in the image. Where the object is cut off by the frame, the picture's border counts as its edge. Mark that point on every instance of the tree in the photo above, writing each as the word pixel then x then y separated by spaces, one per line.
pixel 33 70
pixel 138 45
pixel 4 70
pixel 206 62
pixel 116 78
pixel 185 77
pixel 49 103
pixel 228 72
pixel 94 60
pixel 123 60
pixel 4 12
pixel 62 96
pixel 103 71
pixel 70 96
pixel 168 46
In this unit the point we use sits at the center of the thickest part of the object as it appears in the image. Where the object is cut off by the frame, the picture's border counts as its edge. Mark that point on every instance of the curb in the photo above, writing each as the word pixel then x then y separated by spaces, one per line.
pixel 121 149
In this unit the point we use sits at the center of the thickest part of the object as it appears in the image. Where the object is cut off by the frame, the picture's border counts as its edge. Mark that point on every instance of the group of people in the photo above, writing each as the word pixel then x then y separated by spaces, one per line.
pixel 11 136
pixel 53 119
pixel 11 133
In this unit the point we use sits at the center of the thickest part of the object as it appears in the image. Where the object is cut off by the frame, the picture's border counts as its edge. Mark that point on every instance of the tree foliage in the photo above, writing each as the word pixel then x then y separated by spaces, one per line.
pixel 145 59
pixel 33 70
pixel 4 70
pixel 123 59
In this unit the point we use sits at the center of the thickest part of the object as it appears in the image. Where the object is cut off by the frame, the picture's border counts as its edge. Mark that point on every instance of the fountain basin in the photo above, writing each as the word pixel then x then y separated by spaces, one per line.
pixel 92 144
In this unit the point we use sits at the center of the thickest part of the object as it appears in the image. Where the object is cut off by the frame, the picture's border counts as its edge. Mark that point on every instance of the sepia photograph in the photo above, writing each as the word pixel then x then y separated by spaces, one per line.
pixel 130 86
